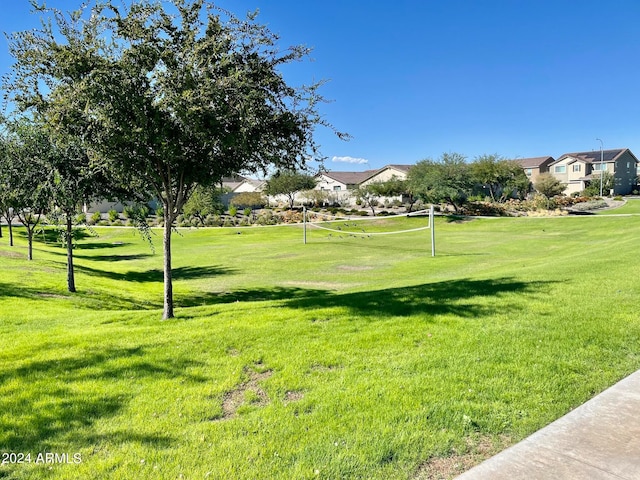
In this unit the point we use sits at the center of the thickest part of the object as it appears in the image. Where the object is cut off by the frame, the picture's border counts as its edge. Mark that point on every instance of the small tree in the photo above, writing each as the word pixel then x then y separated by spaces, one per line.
pixel 395 187
pixel 7 190
pixel 289 183
pixel 447 180
pixel 548 185
pixel 28 163
pixel 74 180
pixel 593 189
pixel 251 200
pixel 204 201
pixel 369 196
pixel 317 197
pixel 502 178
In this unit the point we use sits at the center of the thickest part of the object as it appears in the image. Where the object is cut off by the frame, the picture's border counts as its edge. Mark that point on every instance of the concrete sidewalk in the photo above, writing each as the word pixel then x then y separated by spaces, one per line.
pixel 598 440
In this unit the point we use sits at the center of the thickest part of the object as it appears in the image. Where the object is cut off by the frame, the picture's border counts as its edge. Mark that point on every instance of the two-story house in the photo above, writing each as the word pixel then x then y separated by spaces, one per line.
pixel 578 170
pixel 533 167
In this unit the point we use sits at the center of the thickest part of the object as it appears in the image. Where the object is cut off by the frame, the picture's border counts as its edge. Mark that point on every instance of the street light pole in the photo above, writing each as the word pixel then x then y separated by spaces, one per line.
pixel 601 164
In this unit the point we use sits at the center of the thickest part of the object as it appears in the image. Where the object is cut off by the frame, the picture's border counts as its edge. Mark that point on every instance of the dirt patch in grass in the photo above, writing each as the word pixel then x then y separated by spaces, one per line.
pixel 325 285
pixel 293 396
pixel 52 295
pixel 11 254
pixel 478 450
pixel 248 392
pixel 354 268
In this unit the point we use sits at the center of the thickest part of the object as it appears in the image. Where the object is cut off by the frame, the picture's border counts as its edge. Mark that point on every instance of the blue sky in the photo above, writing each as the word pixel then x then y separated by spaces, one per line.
pixel 411 79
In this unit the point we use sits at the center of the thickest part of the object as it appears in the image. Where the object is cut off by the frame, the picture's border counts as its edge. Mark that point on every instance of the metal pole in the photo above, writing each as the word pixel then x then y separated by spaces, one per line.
pixel 433 232
pixel 601 165
pixel 304 221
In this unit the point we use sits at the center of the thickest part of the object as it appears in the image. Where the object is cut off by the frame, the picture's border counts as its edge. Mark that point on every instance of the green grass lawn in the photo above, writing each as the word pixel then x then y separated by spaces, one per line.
pixel 631 207
pixel 350 357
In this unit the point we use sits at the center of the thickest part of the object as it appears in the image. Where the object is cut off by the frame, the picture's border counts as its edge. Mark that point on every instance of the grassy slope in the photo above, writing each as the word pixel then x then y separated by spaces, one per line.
pixel 344 358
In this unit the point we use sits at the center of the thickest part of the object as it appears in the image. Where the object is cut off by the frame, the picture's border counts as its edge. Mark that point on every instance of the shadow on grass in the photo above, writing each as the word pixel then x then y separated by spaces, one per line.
pixel 99 245
pixel 465 298
pixel 91 246
pixel 155 274
pixel 53 402
pixel 114 258
pixel 49 235
pixel 249 295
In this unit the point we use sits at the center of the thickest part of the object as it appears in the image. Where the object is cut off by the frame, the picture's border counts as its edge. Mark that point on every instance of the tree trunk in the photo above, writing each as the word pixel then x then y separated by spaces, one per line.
pixel 168 286
pixel 30 238
pixel 71 282
pixel 0 227
pixel 10 234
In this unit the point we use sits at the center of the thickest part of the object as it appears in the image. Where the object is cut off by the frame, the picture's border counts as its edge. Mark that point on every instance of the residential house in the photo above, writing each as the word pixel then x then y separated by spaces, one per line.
pixel 578 170
pixel 386 173
pixel 341 185
pixel 239 184
pixel 533 167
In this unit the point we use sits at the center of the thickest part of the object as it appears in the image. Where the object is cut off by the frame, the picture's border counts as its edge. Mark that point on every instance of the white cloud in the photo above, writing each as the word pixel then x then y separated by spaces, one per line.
pixel 350 160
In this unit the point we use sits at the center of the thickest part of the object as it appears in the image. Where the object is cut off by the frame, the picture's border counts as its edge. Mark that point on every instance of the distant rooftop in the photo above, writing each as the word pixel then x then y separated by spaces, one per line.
pixel 534 162
pixel 594 155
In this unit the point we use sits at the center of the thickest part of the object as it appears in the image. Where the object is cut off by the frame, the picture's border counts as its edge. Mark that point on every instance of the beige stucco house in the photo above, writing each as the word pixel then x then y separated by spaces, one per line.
pixel 578 170
pixel 534 166
pixel 341 185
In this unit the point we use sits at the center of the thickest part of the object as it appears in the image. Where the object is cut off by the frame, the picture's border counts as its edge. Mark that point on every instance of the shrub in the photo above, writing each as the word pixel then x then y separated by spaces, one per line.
pixel 290 216
pixel 548 185
pixel 266 218
pixel 485 209
pixel 233 210
pixel 96 217
pixel 247 211
pixel 590 205
pixel 128 211
pixel 248 200
pixel 113 215
pixel 212 220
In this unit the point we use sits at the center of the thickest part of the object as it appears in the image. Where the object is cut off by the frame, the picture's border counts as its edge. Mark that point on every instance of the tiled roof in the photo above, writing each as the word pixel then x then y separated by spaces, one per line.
pixel 534 162
pixel 402 168
pixel 594 155
pixel 350 178
pixel 356 178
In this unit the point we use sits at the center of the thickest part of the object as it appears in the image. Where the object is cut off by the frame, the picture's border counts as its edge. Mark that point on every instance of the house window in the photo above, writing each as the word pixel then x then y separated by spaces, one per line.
pixel 599 166
pixel 528 171
pixel 337 188
pixel 577 167
pixel 560 169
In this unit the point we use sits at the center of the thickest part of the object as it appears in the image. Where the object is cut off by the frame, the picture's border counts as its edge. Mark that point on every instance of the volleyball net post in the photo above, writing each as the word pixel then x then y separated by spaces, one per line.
pixel 339 231
pixel 304 222
pixel 433 231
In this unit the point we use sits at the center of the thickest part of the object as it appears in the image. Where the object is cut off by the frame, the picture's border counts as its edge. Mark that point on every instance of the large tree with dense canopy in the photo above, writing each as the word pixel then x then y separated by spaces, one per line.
pixel 168 95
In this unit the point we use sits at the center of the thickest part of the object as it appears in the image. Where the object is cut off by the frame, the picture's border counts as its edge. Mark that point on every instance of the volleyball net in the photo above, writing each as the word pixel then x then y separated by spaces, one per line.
pixel 348 226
